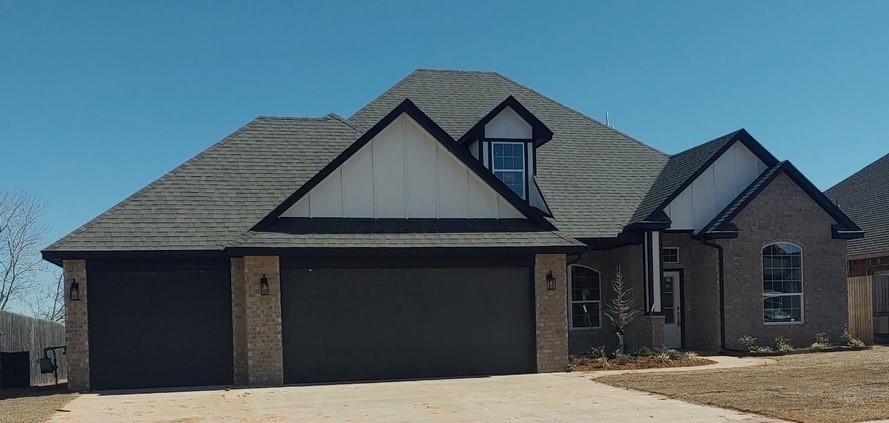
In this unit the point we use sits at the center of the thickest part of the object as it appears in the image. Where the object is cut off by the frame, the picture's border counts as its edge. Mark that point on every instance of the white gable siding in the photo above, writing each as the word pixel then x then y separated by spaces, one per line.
pixel 508 124
pixel 403 173
pixel 714 189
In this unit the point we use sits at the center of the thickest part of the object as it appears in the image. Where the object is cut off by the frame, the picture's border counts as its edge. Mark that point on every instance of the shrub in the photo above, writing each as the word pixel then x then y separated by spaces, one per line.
pixel 764 349
pixel 645 352
pixel 693 356
pixel 822 341
pixel 600 354
pixel 673 354
pixel 851 340
pixel 782 344
pixel 663 357
pixel 748 343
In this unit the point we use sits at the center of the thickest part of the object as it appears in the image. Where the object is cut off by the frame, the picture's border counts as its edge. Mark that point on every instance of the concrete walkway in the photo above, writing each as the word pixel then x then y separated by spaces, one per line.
pixel 553 397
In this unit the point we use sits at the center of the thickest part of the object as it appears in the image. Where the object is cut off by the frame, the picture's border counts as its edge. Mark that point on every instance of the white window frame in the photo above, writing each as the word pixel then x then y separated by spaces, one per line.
pixel 802 287
pixel 523 172
pixel 571 301
pixel 677 255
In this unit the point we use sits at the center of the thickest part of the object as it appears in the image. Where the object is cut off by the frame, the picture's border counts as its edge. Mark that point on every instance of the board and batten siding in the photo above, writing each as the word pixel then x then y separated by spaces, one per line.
pixel 508 124
pixel 403 172
pixel 714 189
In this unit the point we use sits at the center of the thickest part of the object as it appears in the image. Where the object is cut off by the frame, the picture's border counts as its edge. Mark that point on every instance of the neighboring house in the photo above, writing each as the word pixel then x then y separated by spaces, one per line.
pixel 864 197
pixel 459 224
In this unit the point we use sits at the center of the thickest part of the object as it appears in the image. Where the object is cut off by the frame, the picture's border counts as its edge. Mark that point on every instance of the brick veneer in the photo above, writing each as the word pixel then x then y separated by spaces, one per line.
pixel 700 291
pixel 551 313
pixel 77 327
pixel 256 322
pixel 784 212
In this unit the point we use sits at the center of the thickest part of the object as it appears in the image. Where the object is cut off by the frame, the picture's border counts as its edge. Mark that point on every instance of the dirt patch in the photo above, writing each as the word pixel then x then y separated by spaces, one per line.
pixel 823 387
pixel 587 364
pixel 33 405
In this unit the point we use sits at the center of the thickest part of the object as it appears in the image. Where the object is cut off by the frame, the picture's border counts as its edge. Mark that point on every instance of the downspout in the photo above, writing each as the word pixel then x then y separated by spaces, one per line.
pixel 721 292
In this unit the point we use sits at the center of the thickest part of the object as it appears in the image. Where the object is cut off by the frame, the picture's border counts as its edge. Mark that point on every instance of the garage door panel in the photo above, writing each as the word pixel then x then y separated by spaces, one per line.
pixel 357 324
pixel 159 328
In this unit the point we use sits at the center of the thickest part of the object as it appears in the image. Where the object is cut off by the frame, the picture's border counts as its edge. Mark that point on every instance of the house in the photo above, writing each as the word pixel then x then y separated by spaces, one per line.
pixel 459 224
pixel 863 196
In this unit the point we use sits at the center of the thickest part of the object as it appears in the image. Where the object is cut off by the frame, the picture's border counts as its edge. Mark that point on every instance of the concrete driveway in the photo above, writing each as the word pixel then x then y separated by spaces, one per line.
pixel 553 397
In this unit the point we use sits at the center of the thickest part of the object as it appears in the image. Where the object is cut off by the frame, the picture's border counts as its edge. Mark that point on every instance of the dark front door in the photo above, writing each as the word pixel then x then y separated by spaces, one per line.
pixel 395 323
pixel 158 328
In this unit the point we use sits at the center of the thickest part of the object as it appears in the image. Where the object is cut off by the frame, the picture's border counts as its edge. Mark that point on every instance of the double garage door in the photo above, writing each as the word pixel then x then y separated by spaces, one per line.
pixel 151 328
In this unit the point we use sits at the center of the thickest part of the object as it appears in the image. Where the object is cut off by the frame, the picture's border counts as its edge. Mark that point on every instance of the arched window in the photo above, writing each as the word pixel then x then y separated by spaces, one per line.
pixel 585 298
pixel 782 283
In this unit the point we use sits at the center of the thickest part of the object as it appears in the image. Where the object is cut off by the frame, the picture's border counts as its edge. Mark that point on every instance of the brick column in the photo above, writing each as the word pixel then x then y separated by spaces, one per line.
pixel 256 322
pixel 76 327
pixel 551 313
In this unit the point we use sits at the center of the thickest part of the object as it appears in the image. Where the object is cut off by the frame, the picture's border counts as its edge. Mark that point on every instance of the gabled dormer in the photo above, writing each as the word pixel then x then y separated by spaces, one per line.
pixel 505 141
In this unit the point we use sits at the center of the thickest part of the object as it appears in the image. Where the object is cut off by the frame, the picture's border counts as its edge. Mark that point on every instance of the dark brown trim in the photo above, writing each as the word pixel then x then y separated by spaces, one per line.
pixel 844 229
pixel 56 257
pixel 399 251
pixel 462 154
pixel 539 131
pixel 740 135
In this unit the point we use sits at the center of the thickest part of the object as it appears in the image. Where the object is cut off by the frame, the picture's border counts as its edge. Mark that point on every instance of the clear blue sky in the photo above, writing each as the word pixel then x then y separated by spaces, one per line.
pixel 99 99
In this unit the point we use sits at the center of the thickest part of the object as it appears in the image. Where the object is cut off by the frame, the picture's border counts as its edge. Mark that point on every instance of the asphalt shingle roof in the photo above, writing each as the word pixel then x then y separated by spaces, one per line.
pixel 864 197
pixel 210 200
pixel 680 168
pixel 592 176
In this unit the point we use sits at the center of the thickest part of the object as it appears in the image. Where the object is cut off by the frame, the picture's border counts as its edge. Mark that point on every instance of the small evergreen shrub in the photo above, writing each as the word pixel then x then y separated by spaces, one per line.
pixel 782 344
pixel 822 341
pixel 851 340
pixel 748 343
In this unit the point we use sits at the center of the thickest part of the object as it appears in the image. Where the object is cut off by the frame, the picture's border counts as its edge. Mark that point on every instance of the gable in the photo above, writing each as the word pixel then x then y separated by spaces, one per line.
pixel 712 190
pixel 508 125
pixel 403 172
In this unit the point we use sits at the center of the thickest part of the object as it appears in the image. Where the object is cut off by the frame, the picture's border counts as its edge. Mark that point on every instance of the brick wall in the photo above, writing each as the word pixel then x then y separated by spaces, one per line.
pixel 629 258
pixel 76 327
pixel 551 313
pixel 869 266
pixel 784 212
pixel 700 290
pixel 256 322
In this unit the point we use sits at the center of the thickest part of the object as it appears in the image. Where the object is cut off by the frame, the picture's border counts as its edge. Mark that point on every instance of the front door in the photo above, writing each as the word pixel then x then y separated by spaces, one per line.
pixel 671 305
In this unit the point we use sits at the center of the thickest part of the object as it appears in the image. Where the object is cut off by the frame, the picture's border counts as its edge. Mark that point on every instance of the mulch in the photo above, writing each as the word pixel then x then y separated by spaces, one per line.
pixel 586 364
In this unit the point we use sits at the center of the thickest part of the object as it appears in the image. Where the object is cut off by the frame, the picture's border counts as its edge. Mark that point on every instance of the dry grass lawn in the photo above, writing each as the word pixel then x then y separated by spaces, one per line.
pixel 818 387
pixel 34 405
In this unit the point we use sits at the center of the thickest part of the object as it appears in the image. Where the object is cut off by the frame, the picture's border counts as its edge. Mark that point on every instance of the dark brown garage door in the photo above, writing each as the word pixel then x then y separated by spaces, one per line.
pixel 395 323
pixel 158 326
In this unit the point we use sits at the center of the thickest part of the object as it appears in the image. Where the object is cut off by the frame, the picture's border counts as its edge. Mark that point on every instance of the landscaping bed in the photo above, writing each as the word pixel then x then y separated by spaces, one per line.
pixel 586 364
pixel 645 358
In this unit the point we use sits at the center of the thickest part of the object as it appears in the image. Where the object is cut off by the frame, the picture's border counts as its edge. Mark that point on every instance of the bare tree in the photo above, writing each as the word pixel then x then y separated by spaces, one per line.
pixel 48 302
pixel 20 237
pixel 620 309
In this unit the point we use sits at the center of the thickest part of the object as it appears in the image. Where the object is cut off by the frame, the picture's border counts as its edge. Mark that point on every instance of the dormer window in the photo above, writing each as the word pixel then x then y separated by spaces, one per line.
pixel 508 165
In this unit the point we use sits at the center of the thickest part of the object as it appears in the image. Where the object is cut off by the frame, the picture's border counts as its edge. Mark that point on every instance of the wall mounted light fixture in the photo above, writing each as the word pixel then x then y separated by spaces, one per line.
pixel 263 285
pixel 550 281
pixel 74 291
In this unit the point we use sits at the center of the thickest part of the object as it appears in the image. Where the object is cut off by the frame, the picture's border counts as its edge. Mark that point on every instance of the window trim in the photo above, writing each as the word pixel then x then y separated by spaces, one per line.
pixel 802 287
pixel 523 171
pixel 571 301
pixel 678 261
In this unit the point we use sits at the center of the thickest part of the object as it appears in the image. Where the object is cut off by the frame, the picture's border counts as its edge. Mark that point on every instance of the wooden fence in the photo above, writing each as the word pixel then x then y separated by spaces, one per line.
pixel 22 333
pixel 861 308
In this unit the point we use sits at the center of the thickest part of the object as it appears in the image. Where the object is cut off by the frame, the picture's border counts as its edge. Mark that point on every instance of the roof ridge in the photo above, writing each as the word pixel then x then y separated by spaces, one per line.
pixel 384 93
pixel 308 118
pixel 719 138
pixel 151 185
pixel 870 165
pixel 570 109
pixel 345 122
pixel 454 71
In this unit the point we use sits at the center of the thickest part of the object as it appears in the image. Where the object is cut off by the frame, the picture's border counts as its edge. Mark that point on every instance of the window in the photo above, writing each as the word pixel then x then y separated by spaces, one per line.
pixel 670 255
pixel 586 310
pixel 782 283
pixel 509 165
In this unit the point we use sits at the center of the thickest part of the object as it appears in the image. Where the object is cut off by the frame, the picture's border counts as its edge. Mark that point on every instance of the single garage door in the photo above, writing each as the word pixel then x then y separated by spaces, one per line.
pixel 396 323
pixel 158 326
